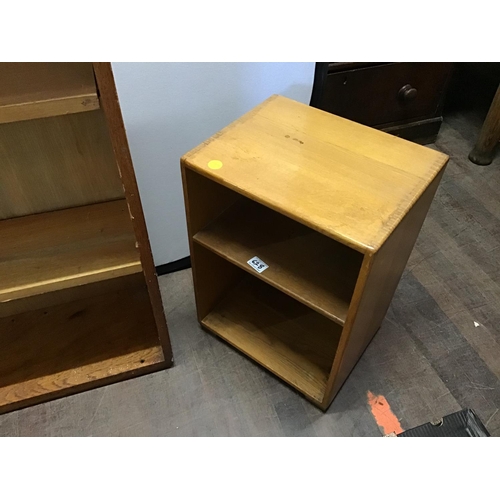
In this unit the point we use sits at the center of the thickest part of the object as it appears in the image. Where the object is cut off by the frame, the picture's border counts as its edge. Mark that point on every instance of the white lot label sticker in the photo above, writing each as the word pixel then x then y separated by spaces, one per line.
pixel 257 264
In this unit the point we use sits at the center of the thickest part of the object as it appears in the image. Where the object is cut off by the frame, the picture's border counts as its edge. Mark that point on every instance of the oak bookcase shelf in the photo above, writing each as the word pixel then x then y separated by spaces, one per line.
pixel 66 248
pixel 79 299
pixel 332 208
pixel 41 90
pixel 306 265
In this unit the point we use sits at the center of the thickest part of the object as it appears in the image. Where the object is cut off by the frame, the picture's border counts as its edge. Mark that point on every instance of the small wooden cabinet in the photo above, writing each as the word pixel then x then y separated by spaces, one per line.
pixel 300 226
pixel 79 299
pixel 404 99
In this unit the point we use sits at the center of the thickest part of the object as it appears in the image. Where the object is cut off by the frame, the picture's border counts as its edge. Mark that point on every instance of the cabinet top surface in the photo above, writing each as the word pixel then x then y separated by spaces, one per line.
pixel 348 181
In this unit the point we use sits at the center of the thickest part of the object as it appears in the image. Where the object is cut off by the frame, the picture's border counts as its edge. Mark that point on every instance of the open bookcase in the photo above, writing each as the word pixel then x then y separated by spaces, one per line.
pixel 79 299
pixel 300 226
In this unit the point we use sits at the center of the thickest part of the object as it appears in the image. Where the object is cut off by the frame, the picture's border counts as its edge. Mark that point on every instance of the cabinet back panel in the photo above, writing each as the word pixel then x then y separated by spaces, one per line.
pixel 24 82
pixel 54 163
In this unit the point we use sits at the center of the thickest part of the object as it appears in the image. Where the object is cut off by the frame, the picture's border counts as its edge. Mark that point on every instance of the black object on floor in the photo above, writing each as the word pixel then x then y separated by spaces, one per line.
pixel 464 423
pixel 173 267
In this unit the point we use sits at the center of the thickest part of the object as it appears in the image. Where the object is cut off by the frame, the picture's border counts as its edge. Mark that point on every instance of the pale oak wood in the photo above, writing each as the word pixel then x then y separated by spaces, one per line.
pixel 219 274
pixel 371 300
pixel 306 265
pixel 211 200
pixel 39 90
pixel 360 187
pixel 292 341
pixel 347 181
pixel 66 248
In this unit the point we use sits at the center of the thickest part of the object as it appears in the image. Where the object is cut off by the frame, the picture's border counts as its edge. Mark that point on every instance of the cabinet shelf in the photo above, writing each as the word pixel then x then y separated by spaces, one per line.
pixel 41 388
pixel 310 267
pixel 62 249
pixel 332 207
pixel 58 349
pixel 80 305
pixel 289 339
pixel 39 90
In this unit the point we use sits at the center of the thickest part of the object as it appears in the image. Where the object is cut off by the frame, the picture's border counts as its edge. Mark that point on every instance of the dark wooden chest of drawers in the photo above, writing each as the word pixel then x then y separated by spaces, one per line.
pixel 405 99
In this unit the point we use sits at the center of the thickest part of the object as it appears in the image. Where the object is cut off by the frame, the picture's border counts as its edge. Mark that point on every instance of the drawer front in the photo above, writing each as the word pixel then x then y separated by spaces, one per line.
pixel 387 93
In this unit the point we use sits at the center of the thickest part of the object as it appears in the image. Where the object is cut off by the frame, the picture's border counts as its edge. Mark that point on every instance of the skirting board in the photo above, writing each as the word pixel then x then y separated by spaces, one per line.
pixel 172 267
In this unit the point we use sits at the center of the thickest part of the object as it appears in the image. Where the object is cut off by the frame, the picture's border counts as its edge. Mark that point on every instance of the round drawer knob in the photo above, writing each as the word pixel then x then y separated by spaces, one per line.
pixel 407 93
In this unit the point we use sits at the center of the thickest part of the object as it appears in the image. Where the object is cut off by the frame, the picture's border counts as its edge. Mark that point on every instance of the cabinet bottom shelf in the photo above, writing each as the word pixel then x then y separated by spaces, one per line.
pixel 67 348
pixel 79 379
pixel 292 341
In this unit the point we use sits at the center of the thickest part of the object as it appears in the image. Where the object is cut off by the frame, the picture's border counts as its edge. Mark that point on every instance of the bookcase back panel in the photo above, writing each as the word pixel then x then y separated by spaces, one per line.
pixel 21 83
pixel 55 163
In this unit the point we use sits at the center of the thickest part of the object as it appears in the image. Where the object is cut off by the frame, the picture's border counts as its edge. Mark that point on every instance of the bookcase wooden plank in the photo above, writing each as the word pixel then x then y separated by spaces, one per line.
pixel 39 90
pixel 56 163
pixel 304 264
pixel 66 248
pixel 80 304
pixel 76 345
pixel 119 142
pixel 292 341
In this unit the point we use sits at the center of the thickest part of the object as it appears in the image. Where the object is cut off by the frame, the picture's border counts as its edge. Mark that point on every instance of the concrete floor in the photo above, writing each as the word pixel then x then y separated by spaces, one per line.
pixel 437 351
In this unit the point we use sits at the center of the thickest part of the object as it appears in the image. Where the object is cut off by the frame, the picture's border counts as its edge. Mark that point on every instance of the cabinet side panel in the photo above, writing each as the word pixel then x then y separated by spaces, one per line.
pixel 214 277
pixel 111 107
pixel 204 201
pixel 379 278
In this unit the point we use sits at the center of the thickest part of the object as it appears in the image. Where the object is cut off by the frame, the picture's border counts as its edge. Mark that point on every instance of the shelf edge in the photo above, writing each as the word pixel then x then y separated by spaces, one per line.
pixel 11 113
pixel 38 288
pixel 336 319
pixel 152 358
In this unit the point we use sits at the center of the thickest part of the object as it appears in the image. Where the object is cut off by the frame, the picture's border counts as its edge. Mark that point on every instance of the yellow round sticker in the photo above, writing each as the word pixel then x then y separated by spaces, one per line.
pixel 214 164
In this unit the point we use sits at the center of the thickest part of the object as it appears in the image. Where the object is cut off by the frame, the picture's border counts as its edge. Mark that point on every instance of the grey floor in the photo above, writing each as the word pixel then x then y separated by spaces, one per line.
pixel 438 350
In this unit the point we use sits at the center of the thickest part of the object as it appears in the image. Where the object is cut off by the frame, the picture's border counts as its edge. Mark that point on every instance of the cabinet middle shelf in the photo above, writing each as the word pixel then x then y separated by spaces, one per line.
pixel 306 265
pixel 58 250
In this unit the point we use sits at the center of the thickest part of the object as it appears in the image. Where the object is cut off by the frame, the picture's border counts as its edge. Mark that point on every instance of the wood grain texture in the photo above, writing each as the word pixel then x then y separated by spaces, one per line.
pixel 344 187
pixel 379 277
pixel 209 199
pixel 56 163
pixel 289 339
pixel 39 90
pixel 204 202
pixel 64 295
pixel 118 137
pixel 214 278
pixel 304 264
pixel 69 347
pixel 75 264
pixel 80 379
pixel 347 181
pixel 57 250
pixel 428 358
